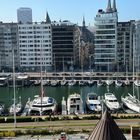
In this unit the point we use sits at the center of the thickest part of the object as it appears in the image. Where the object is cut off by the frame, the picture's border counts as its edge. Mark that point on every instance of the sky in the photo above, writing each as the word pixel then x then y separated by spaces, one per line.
pixel 72 10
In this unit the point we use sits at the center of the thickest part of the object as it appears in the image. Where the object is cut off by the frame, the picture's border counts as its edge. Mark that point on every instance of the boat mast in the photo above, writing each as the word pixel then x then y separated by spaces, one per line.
pixel 133 62
pixel 63 65
pixel 14 90
pixel 90 65
pixel 138 80
pixel 72 69
pixel 63 68
pixel 42 91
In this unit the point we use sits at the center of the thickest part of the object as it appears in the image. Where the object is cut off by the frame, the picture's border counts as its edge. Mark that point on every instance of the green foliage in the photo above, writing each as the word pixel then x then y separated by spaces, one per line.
pixel 24 119
pixel 126 130
pixel 85 131
pixel 18 119
pixel 65 118
pixel 76 118
pixel 93 117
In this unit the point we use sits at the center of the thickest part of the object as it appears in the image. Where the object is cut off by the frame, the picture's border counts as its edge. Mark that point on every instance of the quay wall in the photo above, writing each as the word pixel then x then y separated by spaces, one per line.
pixel 83 76
pixel 79 75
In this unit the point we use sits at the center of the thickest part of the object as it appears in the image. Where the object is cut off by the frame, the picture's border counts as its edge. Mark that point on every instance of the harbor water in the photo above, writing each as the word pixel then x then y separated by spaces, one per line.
pixel 7 94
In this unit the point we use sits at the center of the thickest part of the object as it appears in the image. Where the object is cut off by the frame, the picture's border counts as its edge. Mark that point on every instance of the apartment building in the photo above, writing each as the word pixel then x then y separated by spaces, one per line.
pixel 136 46
pixel 35 46
pixel 125 31
pixel 106 38
pixel 65 45
pixel 8 45
pixel 24 15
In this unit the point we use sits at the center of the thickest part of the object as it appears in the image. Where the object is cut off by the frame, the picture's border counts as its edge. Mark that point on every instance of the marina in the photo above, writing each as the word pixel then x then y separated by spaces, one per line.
pixel 27 93
pixel 68 78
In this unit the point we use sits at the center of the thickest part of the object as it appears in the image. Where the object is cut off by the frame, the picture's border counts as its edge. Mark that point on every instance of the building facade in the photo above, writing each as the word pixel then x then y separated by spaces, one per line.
pixel 65 42
pixel 24 15
pixel 86 47
pixel 106 38
pixel 136 47
pixel 8 44
pixel 125 32
pixel 35 46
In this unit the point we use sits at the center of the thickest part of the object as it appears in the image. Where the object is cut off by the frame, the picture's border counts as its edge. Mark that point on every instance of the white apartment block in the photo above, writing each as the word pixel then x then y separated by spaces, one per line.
pixel 106 38
pixel 35 46
pixel 24 15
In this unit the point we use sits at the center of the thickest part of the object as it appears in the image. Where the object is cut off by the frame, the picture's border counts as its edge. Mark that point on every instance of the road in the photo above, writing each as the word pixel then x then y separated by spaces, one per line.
pixel 68 124
pixel 63 125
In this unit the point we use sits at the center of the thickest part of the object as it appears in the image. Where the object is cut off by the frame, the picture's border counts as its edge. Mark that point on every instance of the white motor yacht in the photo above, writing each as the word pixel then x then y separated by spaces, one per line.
pixel 109 82
pixel 100 83
pixel 111 101
pixel 22 76
pixel 63 82
pixel 131 102
pixel 118 83
pixel 3 81
pixel 72 82
pixel 127 82
pixel 75 104
pixel 93 102
pixel 90 82
pixel 82 83
pixel 54 83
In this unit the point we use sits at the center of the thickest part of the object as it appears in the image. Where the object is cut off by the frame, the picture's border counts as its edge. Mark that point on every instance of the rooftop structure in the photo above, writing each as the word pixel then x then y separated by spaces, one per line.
pixel 24 15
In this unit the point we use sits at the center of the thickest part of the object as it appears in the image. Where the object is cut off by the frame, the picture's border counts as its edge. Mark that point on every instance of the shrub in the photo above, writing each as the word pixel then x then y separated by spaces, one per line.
pixel 9 134
pixel 1 134
pixel 76 118
pixel 65 118
pixel 126 130
pixel 91 117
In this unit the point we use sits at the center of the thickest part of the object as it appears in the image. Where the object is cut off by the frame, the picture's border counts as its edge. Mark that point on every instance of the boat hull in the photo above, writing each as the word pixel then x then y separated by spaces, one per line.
pixel 131 105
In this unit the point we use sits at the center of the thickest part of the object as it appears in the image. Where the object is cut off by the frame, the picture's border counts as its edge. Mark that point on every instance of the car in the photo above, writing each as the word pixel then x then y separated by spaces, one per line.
pixel 77 74
pixel 55 74
pixel 65 74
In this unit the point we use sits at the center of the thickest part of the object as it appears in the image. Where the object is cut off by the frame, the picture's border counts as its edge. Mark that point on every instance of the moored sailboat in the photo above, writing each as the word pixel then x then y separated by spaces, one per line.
pixel 42 104
pixel 131 102
pixel 137 82
pixel 118 83
pixel 17 108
